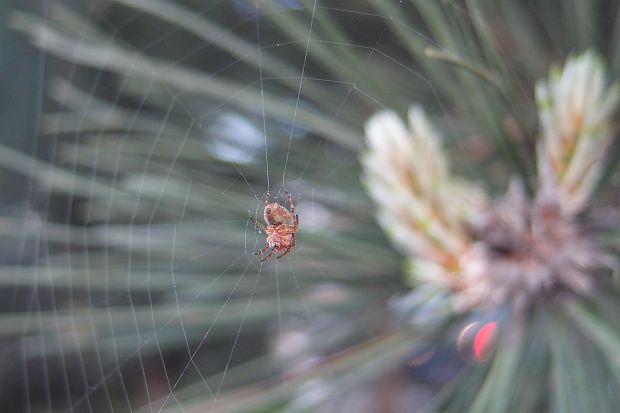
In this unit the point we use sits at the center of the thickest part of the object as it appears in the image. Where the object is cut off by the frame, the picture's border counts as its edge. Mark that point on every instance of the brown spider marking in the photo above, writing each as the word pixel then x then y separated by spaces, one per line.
pixel 281 227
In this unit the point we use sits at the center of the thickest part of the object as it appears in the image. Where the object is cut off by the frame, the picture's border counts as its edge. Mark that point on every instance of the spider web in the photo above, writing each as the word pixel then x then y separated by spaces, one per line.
pixel 146 295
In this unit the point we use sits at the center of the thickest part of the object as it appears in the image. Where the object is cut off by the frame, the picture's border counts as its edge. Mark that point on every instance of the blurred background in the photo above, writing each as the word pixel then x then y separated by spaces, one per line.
pixel 140 136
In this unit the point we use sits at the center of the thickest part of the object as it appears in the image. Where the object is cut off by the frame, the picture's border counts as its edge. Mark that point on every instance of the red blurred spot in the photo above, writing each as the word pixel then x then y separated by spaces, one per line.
pixel 482 340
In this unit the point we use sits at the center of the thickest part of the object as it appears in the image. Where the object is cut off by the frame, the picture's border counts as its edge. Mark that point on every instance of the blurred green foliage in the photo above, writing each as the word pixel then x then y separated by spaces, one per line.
pixel 160 121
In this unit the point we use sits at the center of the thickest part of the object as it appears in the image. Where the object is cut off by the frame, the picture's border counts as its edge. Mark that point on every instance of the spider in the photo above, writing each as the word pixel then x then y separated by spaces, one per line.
pixel 281 227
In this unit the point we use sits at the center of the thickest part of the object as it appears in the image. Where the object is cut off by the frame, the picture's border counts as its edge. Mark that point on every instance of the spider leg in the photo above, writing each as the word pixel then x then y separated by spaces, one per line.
pixel 268 255
pixel 261 251
pixel 291 207
pixel 290 247
pixel 292 210
pixel 258 225
pixel 284 253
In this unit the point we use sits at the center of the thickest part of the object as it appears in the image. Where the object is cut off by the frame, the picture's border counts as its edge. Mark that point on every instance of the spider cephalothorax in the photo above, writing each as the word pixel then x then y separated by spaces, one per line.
pixel 281 227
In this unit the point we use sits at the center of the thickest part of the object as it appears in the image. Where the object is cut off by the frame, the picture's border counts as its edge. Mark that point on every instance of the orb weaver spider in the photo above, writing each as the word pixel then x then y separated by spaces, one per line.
pixel 281 227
